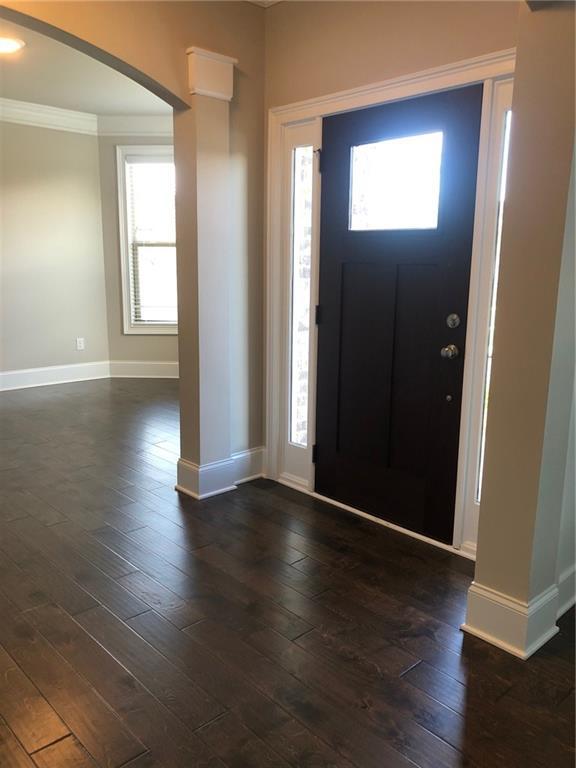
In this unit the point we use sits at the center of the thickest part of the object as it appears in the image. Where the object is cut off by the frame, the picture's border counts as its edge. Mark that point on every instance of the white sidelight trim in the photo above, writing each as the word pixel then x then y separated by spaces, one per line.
pixel 518 627
pixel 103 369
pixel 143 369
pixel 566 590
pixel 216 477
pixel 53 374
pixel 210 74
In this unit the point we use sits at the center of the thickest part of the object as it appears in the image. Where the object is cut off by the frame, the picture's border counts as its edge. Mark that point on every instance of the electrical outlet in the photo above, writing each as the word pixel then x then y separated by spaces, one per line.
pixel 80 344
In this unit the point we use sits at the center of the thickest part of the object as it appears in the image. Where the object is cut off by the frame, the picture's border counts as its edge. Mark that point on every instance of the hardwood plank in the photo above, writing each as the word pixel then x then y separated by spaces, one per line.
pixel 238 746
pixel 11 753
pixel 187 701
pixel 159 730
pixel 168 604
pixel 358 744
pixel 25 710
pixel 67 753
pixel 64 558
pixel 78 705
pixel 297 744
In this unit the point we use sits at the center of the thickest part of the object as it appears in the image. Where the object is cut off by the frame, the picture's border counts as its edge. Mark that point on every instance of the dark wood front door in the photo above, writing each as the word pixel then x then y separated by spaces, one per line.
pixel 398 198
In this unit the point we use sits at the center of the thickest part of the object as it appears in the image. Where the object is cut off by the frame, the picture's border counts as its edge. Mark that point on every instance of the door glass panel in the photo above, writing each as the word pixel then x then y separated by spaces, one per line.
pixel 492 316
pixel 395 184
pixel 302 168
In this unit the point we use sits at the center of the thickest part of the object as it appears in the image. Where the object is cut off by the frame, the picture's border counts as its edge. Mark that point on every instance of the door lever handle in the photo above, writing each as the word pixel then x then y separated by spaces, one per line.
pixel 449 352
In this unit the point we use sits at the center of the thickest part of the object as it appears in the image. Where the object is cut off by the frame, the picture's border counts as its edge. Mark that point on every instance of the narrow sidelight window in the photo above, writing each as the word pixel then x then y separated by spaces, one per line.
pixel 148 238
pixel 493 297
pixel 301 252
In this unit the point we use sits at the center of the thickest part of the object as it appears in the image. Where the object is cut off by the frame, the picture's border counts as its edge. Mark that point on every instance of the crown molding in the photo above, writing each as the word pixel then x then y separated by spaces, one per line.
pixel 57 119
pixel 42 116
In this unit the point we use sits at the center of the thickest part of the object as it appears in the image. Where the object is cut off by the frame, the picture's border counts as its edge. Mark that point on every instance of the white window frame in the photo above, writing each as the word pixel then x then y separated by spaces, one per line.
pixel 122 153
pixel 495 71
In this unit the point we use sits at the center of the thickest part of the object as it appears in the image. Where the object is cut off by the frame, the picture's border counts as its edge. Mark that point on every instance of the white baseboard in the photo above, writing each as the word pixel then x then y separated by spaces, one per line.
pixel 566 590
pixel 517 627
pixel 248 465
pixel 468 549
pixel 53 374
pixel 103 369
pixel 216 477
pixel 143 369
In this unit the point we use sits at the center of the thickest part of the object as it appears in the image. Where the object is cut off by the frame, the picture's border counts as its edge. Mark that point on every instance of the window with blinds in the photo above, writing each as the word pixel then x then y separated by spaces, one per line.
pixel 148 238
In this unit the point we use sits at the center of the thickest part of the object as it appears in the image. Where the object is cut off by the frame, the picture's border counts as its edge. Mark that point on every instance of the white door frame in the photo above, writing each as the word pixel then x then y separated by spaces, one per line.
pixel 495 71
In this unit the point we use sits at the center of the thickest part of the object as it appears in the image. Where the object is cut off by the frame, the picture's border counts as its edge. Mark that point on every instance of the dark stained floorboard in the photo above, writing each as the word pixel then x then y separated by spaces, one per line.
pixel 258 629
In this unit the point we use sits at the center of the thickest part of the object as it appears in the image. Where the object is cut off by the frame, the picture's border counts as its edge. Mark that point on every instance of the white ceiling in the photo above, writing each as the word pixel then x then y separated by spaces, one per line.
pixel 51 73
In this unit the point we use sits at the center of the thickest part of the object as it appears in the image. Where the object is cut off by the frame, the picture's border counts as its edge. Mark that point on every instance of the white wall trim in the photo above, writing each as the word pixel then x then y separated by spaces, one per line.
pixel 490 70
pixel 103 369
pixel 202 482
pixel 248 465
pixel 53 374
pixel 566 589
pixel 42 116
pixel 143 369
pixel 216 477
pixel 72 121
pixel 518 627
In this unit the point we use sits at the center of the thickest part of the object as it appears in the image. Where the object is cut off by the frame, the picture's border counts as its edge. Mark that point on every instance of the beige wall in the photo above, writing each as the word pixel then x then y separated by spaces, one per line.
pixel 51 263
pixel 124 346
pixel 316 48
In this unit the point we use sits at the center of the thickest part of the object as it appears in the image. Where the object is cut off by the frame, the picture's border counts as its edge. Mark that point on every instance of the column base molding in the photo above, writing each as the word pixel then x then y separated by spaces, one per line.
pixel 213 478
pixel 517 627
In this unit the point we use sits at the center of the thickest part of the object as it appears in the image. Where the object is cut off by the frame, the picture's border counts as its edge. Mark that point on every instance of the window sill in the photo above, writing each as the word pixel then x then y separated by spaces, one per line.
pixel 151 329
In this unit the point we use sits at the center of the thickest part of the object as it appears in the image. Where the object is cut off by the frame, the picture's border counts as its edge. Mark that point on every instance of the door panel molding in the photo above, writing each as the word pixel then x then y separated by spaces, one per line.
pixel 489 70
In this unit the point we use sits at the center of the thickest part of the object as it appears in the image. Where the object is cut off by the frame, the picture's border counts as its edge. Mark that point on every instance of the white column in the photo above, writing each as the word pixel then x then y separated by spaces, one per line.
pixel 206 466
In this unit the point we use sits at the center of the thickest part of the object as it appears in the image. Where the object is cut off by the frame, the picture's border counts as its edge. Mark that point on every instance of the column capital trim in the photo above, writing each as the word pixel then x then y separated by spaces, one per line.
pixel 210 73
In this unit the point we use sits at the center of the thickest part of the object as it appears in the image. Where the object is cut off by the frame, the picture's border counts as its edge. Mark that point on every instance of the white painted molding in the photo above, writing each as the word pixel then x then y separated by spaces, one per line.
pixel 42 116
pixel 143 369
pixel 103 369
pixel 210 74
pixel 160 126
pixel 53 374
pixel 566 590
pixel 57 119
pixel 249 465
pixel 216 477
pixel 517 627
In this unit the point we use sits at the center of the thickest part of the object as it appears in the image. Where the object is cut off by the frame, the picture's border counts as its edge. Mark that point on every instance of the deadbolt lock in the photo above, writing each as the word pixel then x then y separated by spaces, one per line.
pixel 453 320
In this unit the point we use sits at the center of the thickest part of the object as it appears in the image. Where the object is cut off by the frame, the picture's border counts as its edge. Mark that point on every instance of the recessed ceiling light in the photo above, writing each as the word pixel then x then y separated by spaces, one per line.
pixel 10 45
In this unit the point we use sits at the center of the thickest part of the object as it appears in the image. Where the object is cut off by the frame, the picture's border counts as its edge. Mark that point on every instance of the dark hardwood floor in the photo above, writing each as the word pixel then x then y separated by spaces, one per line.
pixel 256 629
